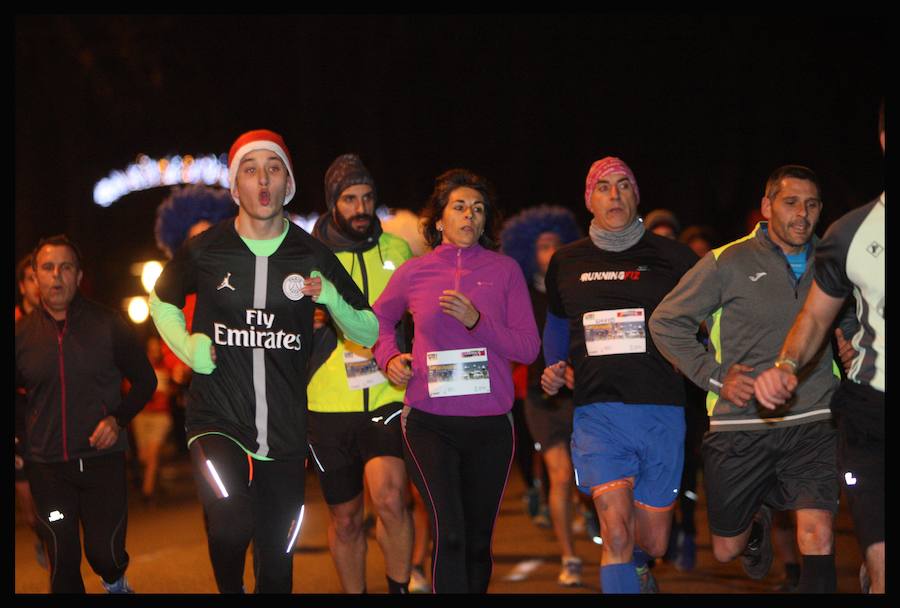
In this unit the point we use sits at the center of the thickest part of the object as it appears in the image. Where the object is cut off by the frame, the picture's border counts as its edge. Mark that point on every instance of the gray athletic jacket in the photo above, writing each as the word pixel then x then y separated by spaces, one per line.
pixel 749 295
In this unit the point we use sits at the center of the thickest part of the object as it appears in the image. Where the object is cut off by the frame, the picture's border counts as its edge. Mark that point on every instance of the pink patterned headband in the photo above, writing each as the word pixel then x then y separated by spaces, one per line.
pixel 602 168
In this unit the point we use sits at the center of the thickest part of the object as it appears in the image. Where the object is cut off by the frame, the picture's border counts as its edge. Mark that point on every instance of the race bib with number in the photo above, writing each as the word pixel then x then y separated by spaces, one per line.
pixel 615 332
pixel 362 370
pixel 458 372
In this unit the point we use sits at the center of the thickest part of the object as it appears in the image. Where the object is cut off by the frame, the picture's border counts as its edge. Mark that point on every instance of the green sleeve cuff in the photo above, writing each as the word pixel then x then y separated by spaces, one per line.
pixel 329 292
pixel 201 359
pixel 360 326
pixel 193 349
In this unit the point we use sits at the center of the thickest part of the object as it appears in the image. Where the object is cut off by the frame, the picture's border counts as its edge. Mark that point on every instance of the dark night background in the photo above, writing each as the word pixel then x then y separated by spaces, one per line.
pixel 702 108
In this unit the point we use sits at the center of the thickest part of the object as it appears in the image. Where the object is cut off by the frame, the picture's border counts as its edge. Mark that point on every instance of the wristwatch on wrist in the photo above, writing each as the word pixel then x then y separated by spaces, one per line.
pixel 788 365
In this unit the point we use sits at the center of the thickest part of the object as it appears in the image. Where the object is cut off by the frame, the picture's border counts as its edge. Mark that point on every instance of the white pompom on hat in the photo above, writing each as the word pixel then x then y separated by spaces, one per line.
pixel 260 139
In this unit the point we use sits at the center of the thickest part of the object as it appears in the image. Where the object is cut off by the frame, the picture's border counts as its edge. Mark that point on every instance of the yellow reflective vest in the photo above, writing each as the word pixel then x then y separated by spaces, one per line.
pixel 329 389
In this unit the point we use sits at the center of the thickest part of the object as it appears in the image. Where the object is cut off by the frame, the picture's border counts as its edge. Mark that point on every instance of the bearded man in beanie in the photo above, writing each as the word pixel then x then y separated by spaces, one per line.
pixel 628 426
pixel 257 278
pixel 354 422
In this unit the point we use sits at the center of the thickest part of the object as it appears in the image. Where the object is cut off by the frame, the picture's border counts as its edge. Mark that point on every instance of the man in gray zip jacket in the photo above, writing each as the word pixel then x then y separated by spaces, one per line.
pixel 756 459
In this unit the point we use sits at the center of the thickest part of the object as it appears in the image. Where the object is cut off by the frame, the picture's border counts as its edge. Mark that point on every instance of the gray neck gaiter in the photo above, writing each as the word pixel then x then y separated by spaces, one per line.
pixel 617 241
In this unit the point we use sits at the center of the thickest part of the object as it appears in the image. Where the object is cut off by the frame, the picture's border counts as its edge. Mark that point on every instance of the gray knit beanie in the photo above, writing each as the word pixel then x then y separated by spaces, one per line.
pixel 346 170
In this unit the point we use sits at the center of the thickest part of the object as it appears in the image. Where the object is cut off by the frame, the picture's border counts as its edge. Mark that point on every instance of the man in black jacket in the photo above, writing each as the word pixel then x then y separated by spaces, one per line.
pixel 71 357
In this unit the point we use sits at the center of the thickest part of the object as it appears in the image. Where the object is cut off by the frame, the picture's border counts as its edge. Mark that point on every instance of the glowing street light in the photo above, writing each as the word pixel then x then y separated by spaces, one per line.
pixel 149 273
pixel 138 309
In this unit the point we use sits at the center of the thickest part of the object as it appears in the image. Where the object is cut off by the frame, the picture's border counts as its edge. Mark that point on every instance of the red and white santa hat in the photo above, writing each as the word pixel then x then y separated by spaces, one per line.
pixel 260 139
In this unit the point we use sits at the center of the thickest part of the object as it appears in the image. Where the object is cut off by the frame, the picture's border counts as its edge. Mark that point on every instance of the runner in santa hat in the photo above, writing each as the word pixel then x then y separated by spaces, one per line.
pixel 257 278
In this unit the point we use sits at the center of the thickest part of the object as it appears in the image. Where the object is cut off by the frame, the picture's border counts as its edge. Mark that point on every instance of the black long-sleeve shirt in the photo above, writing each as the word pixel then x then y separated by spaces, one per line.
pixel 72 373
pixel 250 307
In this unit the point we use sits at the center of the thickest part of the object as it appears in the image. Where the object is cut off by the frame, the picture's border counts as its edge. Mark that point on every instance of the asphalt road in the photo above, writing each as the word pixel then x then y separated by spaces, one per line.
pixel 167 545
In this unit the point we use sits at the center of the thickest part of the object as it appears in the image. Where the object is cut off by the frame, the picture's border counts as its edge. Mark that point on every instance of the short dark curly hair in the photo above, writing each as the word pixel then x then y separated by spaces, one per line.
pixel 773 184
pixel 444 185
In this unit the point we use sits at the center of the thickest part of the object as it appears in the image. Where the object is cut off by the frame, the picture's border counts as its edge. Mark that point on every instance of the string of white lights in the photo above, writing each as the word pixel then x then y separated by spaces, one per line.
pixel 149 173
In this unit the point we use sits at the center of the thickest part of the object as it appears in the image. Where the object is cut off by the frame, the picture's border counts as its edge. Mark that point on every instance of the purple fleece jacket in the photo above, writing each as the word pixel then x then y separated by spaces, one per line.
pixel 495 285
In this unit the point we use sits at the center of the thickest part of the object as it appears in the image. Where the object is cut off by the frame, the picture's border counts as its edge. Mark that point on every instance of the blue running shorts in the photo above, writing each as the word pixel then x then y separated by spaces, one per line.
pixel 612 442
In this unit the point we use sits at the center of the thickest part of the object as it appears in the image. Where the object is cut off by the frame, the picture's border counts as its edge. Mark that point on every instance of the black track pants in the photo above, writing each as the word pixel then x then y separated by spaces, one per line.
pixel 248 500
pixel 91 492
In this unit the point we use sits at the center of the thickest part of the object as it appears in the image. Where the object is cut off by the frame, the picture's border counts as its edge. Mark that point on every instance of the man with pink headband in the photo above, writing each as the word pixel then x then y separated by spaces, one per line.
pixel 628 427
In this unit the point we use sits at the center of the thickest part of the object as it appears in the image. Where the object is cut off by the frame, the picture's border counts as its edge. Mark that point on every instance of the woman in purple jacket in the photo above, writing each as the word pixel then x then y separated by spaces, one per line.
pixel 473 318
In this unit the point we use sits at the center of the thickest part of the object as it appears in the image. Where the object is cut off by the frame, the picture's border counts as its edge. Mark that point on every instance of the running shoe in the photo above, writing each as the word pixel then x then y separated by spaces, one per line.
pixel 120 586
pixel 647 580
pixel 686 553
pixel 757 557
pixel 417 581
pixel 570 575
pixel 864 581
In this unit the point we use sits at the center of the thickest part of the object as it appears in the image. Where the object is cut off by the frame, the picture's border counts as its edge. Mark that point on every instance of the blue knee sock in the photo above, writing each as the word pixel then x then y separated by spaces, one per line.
pixel 619 578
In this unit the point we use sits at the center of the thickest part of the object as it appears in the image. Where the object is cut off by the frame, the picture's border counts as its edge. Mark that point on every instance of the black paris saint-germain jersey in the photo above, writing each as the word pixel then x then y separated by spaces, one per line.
pixel 608 298
pixel 261 328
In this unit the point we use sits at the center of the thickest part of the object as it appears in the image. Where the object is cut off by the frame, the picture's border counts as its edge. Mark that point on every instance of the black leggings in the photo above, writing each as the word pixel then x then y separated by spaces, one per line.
pixel 460 465
pixel 90 492
pixel 243 500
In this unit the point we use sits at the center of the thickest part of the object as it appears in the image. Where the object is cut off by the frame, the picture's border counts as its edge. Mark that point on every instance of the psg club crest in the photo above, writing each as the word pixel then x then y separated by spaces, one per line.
pixel 292 285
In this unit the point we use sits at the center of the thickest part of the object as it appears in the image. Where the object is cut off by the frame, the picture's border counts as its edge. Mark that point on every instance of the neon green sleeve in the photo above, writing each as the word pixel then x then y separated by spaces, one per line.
pixel 360 326
pixel 193 349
